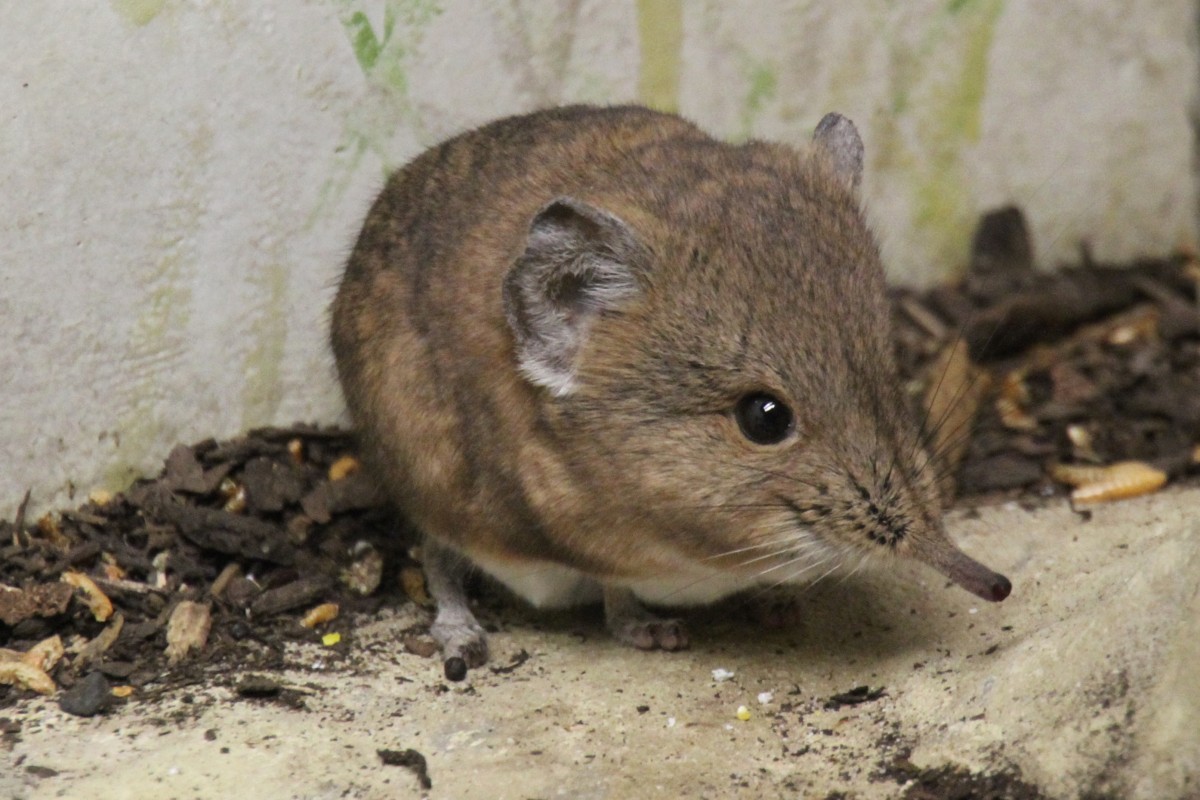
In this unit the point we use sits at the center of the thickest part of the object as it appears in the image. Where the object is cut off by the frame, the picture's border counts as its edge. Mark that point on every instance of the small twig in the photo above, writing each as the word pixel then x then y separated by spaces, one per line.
pixel 20 538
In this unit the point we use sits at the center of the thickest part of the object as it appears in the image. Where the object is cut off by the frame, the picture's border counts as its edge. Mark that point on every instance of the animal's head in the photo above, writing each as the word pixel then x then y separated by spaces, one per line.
pixel 718 357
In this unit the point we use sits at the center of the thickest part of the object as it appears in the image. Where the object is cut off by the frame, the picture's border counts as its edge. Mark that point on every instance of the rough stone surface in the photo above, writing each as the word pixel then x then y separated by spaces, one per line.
pixel 1084 681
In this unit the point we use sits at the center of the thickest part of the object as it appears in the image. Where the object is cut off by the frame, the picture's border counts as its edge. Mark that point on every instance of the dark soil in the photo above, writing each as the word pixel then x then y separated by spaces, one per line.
pixel 254 528
pixel 951 782
pixel 1102 364
pixel 955 782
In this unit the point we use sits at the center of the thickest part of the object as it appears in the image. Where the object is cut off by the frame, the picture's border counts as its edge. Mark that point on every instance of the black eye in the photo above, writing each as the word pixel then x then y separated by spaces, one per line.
pixel 763 419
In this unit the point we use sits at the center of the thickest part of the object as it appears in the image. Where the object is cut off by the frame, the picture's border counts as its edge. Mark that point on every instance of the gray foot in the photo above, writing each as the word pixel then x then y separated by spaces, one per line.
pixel 462 639
pixel 632 624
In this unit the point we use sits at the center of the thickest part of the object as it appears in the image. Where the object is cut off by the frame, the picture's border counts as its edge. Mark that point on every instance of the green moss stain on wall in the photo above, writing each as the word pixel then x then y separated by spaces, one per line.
pixel 138 12
pixel 939 84
pixel 382 49
pixel 762 84
pixel 950 121
pixel 382 53
pixel 155 350
pixel 660 42
pixel 962 100
pixel 366 43
pixel 263 389
pixel 156 337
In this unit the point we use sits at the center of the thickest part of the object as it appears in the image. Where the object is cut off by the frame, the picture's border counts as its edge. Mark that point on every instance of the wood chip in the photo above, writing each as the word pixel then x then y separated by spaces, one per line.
pixel 41 600
pixel 103 641
pixel 43 656
pixel 187 629
pixel 97 601
pixel 412 579
pixel 271 485
pixel 20 538
pixel 364 575
pixel 298 593
pixel 18 673
pixel 923 318
pixel 418 646
pixel 184 473
pixel 1142 324
pixel 231 571
pixel 223 531
pixel 1010 404
pixel 46 654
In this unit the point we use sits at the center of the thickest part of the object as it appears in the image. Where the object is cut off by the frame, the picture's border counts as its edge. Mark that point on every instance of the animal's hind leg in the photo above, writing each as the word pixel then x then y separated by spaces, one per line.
pixel 462 639
pixel 632 624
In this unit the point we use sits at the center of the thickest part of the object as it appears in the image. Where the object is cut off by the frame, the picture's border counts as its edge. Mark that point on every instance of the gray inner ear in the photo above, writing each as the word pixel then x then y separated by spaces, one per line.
pixel 838 139
pixel 579 262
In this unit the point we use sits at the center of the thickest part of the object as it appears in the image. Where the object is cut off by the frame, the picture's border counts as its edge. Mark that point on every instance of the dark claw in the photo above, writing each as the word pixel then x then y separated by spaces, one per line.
pixel 455 669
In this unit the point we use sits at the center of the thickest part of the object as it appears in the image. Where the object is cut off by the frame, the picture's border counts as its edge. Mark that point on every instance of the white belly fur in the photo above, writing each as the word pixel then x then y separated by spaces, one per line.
pixel 554 586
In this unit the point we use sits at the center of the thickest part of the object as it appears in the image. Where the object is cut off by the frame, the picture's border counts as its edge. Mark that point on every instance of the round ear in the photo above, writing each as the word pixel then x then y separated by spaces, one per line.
pixel 579 262
pixel 838 140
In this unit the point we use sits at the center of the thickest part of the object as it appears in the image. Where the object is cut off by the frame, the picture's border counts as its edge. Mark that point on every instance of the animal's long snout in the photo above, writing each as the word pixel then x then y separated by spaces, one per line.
pixel 959 567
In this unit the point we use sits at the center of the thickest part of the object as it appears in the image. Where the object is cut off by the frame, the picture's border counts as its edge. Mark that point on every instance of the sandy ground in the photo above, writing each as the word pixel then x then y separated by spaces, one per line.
pixel 1083 682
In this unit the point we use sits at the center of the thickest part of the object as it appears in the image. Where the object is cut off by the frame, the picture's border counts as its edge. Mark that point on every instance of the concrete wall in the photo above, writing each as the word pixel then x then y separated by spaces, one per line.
pixel 182 178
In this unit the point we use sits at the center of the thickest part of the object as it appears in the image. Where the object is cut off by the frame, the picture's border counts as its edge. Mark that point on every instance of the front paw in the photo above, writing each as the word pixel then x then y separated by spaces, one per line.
pixel 461 641
pixel 632 624
pixel 651 633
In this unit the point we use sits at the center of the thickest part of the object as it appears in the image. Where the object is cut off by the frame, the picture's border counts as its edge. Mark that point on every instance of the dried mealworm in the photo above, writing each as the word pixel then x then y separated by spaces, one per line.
pixel 320 614
pixel 1114 482
pixel 101 607
pixel 344 467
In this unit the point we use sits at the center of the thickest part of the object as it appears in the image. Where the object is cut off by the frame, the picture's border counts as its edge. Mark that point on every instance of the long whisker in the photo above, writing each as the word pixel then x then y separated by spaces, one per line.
pixel 929 435
pixel 762 545
pixel 824 575
pixel 953 437
pixel 799 552
pixel 958 340
pixel 802 546
pixel 789 563
pixel 862 562
pixel 794 576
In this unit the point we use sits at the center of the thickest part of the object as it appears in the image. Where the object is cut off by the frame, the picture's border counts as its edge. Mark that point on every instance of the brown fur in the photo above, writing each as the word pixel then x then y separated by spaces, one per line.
pixel 761 275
